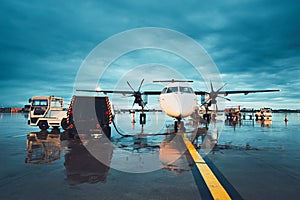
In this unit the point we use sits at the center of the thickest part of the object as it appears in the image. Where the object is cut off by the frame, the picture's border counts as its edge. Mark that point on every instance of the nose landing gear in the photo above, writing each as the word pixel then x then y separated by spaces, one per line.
pixel 178 125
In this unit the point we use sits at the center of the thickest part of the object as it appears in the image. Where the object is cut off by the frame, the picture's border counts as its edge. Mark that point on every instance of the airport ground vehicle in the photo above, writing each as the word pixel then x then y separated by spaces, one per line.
pixel 90 115
pixel 46 111
pixel 264 114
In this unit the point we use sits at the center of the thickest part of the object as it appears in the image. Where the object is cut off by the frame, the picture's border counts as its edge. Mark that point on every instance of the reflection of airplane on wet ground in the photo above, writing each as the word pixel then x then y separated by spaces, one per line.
pixel 171 154
pixel 88 159
pixel 169 148
pixel 177 99
pixel 83 167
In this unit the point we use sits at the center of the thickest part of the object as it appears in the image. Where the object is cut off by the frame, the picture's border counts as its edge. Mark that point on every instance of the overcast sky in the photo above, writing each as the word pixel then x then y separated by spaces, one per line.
pixel 254 44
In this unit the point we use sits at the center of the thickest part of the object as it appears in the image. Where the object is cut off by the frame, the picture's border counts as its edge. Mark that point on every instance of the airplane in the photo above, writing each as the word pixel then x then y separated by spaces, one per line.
pixel 177 99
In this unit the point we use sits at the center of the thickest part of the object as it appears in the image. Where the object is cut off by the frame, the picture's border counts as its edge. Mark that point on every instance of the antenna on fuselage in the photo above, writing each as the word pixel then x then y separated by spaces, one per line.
pixel 173 81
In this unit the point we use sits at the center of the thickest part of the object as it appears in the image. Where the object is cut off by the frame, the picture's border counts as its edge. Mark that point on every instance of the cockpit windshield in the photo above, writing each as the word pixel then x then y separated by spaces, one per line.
pixel 39 102
pixel 56 104
pixel 172 89
pixel 164 90
pixel 186 89
pixel 175 89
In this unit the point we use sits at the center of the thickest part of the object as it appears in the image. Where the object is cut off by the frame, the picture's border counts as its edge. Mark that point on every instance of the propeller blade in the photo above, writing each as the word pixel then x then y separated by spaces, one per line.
pixel 206 102
pixel 137 95
pixel 141 85
pixel 212 100
pixel 225 98
pixel 211 87
pixel 143 103
pixel 130 86
pixel 221 87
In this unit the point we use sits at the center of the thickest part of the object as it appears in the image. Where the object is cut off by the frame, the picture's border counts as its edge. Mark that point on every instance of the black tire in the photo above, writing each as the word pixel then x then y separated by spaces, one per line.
pixel 64 124
pixel 142 118
pixel 175 126
pixel 107 131
pixel 43 125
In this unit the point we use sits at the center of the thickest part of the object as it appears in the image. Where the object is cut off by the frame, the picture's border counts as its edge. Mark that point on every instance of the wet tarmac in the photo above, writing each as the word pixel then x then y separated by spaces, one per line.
pixel 254 161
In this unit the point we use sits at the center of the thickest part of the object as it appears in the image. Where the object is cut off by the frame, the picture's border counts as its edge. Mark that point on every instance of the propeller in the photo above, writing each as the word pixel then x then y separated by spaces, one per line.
pixel 213 96
pixel 137 95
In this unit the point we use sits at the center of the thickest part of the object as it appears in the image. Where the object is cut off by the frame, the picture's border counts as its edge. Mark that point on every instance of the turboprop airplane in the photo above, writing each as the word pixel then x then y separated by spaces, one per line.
pixel 177 99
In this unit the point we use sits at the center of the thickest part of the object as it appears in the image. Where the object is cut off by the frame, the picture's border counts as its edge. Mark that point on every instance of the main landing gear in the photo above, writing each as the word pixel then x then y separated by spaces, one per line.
pixel 142 118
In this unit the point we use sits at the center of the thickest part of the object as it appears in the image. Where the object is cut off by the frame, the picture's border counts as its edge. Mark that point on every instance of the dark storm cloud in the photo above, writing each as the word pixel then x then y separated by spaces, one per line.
pixel 41 48
pixel 251 34
pixel 43 43
pixel 255 44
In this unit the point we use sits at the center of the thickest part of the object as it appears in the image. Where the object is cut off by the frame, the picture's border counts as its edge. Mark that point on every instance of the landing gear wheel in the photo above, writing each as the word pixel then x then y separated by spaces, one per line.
pixel 64 124
pixel 43 125
pixel 107 131
pixel 207 117
pixel 142 118
pixel 175 126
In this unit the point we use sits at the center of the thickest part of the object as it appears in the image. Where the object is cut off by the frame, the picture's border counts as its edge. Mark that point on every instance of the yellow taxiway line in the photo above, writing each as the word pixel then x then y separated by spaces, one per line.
pixel 216 189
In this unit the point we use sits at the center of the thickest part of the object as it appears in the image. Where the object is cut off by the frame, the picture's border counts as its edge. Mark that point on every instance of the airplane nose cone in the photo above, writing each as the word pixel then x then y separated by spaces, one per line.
pixel 170 105
pixel 186 105
pixel 177 106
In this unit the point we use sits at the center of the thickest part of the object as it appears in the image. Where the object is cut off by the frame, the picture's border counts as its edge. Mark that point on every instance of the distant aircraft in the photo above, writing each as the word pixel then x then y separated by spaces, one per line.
pixel 177 99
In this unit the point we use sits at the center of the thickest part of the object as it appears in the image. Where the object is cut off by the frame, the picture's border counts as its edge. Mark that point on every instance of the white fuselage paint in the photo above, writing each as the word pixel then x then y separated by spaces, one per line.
pixel 178 100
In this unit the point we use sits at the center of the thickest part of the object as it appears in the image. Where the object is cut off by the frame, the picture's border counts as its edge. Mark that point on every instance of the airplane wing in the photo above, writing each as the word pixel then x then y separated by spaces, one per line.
pixel 201 92
pixel 152 92
pixel 107 91
pixel 245 92
pixel 226 92
pixel 122 92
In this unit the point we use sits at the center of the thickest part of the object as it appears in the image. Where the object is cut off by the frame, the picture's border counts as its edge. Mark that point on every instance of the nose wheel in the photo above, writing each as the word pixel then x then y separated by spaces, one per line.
pixel 178 125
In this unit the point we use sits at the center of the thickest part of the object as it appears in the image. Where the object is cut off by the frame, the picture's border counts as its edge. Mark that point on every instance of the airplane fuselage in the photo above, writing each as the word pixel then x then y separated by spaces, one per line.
pixel 178 100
